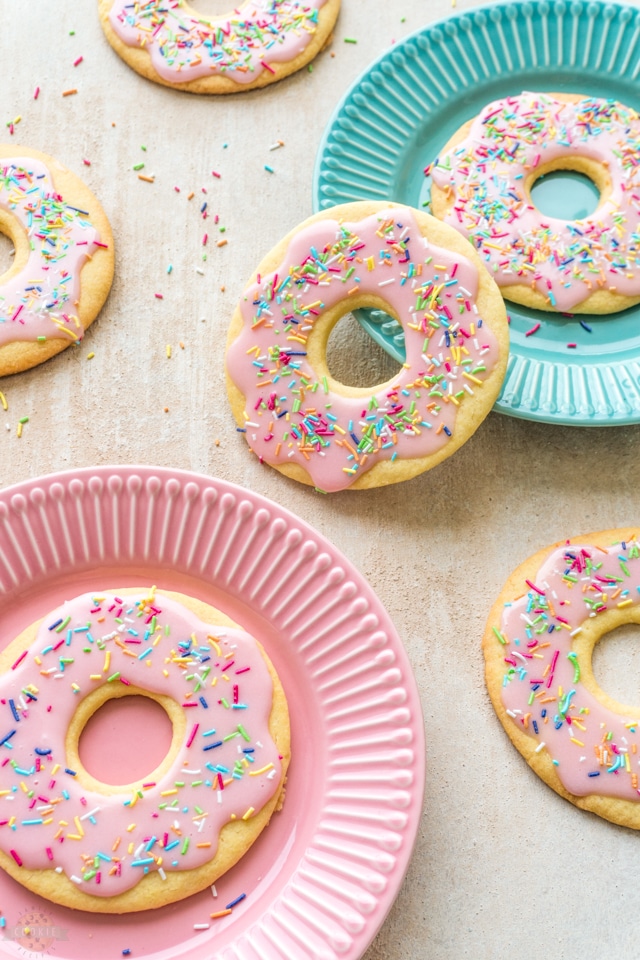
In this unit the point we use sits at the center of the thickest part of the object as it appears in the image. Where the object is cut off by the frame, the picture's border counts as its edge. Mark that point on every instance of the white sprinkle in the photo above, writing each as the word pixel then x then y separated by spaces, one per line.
pixel 201 926
pixel 214 892
pixel 162 874
pixel 90 814
pixel 75 879
pixel 385 283
pixel 540 746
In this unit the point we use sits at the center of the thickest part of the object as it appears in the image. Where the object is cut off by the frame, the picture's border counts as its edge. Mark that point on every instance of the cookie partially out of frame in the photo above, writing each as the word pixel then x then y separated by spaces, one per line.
pixel 255 44
pixel 63 262
pixel 117 849
pixel 482 184
pixel 538 646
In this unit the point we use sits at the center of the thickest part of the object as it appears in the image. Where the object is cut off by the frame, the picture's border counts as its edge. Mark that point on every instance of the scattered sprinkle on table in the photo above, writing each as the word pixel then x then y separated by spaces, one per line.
pixel 350 40
pixel 69 93
pixel 3 401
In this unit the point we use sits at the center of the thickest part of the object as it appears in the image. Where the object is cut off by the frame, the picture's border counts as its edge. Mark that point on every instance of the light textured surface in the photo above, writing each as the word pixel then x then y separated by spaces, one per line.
pixel 503 866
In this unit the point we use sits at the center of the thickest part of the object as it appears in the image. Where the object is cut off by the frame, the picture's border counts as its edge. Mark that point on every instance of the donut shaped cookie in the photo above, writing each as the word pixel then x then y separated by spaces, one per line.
pixel 63 264
pixel 538 646
pixel 296 417
pixel 85 844
pixel 482 186
pixel 259 42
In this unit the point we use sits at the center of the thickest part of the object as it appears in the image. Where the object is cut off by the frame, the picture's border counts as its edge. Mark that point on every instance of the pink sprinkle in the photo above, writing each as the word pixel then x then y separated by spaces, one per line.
pixel 266 66
pixel 533 330
pixel 214 173
pixel 159 296
pixel 572 345
pixel 19 660
pixel 79 60
pixel 16 857
pixel 204 239
pixel 36 93
pixel 49 852
pixel 533 587
pixel 192 734
pixel 87 163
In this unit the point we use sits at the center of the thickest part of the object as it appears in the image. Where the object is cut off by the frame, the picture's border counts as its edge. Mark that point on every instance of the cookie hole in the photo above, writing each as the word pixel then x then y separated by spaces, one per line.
pixel 214 8
pixel 125 739
pixel 565 195
pixel 354 359
pixel 616 663
pixel 7 254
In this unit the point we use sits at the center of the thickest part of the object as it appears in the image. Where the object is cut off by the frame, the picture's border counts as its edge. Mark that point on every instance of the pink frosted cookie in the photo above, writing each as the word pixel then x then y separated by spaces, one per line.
pixel 296 417
pixel 63 264
pixel 116 849
pixel 482 184
pixel 538 646
pixel 257 43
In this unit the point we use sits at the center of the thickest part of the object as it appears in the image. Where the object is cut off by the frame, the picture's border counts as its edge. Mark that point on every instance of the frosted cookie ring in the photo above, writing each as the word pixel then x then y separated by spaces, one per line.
pixel 538 646
pixel 63 265
pixel 91 846
pixel 261 41
pixel 296 417
pixel 482 182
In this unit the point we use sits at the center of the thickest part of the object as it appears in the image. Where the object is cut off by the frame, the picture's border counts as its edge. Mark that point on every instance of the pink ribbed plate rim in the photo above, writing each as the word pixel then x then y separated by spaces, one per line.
pixel 320 880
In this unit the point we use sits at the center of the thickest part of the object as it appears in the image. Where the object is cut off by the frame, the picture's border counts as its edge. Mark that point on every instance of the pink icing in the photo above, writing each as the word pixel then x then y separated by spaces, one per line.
pixel 565 260
pixel 39 301
pixel 240 45
pixel 293 414
pixel 226 768
pixel 593 748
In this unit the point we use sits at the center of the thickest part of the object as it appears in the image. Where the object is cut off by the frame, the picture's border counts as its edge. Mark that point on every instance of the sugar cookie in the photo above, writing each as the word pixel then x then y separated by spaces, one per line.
pixel 296 417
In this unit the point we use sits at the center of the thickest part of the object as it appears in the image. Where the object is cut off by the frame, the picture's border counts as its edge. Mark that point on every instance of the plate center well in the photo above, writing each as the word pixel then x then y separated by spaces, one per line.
pixel 125 739
pixel 565 195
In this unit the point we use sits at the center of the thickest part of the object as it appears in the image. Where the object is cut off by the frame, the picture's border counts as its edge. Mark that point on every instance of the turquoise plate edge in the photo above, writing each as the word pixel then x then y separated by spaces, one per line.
pixel 404 107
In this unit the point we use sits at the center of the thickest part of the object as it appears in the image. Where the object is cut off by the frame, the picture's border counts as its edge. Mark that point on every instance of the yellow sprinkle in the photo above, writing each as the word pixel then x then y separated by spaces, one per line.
pixel 131 827
pixel 625 603
pixel 169 351
pixel 579 742
pixel 470 376
pixel 248 814
pixel 78 826
pixel 107 661
pixel 256 773
pixel 3 401
pixel 91 355
pixel 168 793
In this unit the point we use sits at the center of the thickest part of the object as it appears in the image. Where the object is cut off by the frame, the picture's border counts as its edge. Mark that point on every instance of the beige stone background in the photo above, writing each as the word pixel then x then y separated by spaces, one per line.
pixel 502 866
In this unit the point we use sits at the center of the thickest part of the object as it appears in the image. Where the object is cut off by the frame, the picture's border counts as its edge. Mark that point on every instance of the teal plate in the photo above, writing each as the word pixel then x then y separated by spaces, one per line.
pixel 399 114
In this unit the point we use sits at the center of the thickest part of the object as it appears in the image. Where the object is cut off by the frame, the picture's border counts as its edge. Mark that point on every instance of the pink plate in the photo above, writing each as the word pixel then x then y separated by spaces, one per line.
pixel 322 877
